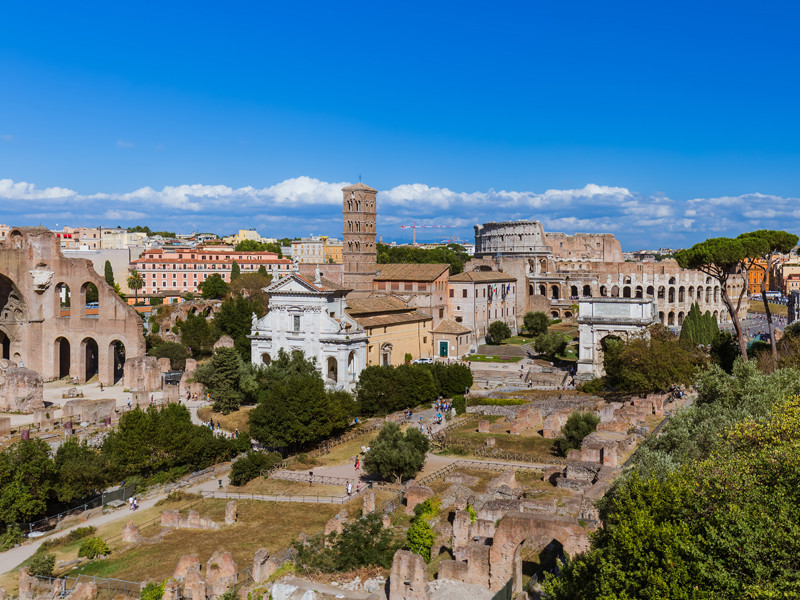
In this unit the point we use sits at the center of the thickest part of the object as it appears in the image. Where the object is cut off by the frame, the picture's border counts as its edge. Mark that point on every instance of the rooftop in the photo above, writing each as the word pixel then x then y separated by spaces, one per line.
pixel 448 326
pixel 411 272
pixel 481 277
pixel 375 304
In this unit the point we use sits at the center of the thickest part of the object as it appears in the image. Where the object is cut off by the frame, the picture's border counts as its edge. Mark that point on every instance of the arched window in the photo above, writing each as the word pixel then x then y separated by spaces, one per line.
pixel 587 291
pixel 672 294
pixel 554 292
pixel 626 292
pixel 650 291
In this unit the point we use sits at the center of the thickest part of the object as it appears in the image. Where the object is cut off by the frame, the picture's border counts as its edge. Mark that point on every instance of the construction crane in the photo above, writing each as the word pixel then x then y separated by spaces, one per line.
pixel 413 227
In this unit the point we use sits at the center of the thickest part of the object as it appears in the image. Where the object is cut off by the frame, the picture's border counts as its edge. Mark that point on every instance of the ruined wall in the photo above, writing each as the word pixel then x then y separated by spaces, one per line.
pixel 32 269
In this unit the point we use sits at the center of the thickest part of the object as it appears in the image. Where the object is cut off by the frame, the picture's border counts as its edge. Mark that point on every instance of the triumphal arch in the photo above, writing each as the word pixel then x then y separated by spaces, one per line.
pixel 58 316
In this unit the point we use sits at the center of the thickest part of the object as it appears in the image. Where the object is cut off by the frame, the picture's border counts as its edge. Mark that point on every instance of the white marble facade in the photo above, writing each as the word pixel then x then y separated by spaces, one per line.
pixel 310 316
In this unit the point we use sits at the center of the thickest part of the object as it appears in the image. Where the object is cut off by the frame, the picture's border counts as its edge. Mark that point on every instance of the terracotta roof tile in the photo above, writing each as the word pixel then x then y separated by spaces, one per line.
pixel 375 304
pixel 448 326
pixel 413 316
pixel 411 272
pixel 482 277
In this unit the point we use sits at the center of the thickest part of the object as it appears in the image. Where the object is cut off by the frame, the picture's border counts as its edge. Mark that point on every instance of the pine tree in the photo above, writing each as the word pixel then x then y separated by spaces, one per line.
pixel 109 274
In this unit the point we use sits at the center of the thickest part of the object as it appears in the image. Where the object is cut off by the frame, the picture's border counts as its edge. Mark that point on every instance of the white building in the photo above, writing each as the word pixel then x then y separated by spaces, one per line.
pixel 310 316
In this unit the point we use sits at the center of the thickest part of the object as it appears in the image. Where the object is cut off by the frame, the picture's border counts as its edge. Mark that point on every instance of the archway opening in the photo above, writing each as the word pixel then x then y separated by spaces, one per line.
pixel 63 300
pixel 587 291
pixel 351 366
pixel 615 291
pixel 91 300
pixel 662 318
pixel 5 345
pixel 681 294
pixel 650 291
pixel 89 347
pixel 116 357
pixel 386 355
pixel 573 291
pixel 671 318
pixel 532 559
pixel 553 314
pixel 671 294
pixel 639 293
pixel 265 358
pixel 626 292
pixel 333 370
pixel 554 292
pixel 603 291
pixel 680 318
pixel 62 357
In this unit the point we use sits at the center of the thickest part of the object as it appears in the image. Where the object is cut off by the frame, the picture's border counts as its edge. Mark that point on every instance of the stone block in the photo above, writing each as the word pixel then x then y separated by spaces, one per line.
pixel 130 533
pixel 163 365
pixel 386 521
pixel 490 442
pixel 221 572
pixel 263 565
pixel 478 561
pixel 224 341
pixel 26 585
pixel 453 570
pixel 170 518
pixel 416 495
pixel 42 418
pixel 171 394
pixel 409 578
pixel 230 512
pixel 5 426
pixel 142 373
pixel 172 590
pixel 505 485
pixel 368 503
pixel 483 426
pixel 20 389
pixel 336 524
pixel 614 426
pixel 194 587
pixel 188 563
pixel 609 456
pixel 85 590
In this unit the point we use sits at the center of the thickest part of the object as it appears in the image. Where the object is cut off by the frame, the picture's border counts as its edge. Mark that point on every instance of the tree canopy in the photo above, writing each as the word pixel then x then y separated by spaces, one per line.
pixel 213 287
pixel 499 331
pixel 699 327
pixel 254 246
pixel 536 323
pixel 394 455
pixel 453 254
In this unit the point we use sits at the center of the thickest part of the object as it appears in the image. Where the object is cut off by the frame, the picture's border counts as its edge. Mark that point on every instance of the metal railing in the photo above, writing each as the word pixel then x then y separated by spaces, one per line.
pixel 307 499
pixel 70 582
pixel 53 522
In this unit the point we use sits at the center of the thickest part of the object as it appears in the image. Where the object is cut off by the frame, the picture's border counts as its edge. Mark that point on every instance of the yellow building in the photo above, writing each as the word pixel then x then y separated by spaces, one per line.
pixel 246 234
pixel 331 250
pixel 393 329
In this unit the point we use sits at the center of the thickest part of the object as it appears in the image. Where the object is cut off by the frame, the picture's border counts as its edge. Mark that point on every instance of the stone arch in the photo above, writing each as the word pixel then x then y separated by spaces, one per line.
pixel 716 293
pixel 543 265
pixel 615 291
pixel 567 314
pixel 351 366
pixel 603 291
pixel 681 294
pixel 333 369
pixel 662 318
pixel 5 345
pixel 671 318
pixel 13 317
pixel 515 528
pixel 116 362
pixel 708 294
pixel 554 314
pixel 542 289
pixel 691 292
pixel 573 291
pixel 626 291
pixel 90 306
pixel 587 291
pixel 699 293
pixel 716 315
pixel 638 293
pixel 554 292
pixel 661 292
pixel 265 358
pixel 680 319
pixel 650 291
pixel 90 358
pixel 62 357
pixel 672 281
pixel 671 295
pixel 530 289
pixel 627 281
pixel 63 301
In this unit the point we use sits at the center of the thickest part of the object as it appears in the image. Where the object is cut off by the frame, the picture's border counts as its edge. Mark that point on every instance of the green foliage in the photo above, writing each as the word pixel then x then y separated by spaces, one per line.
pixel 699 328
pixel 156 301
pixel 93 547
pixel 92 294
pixel 197 335
pixel 450 379
pixel 135 282
pixel 536 323
pixel 254 246
pixel 262 270
pixel 26 480
pixel 234 318
pixel 250 466
pixel 175 352
pixel 294 409
pixel 497 401
pixel 213 287
pixel 499 332
pixel 408 254
pixel 650 363
pixel 42 565
pixel 420 536
pixel 108 273
pixel 221 376
pixel 550 344
pixel 10 538
pixel 395 455
pixel 407 358
pixel 724 351
pixel 82 470
pixel 235 271
pixel 577 427
pixel 385 389
pixel 473 516
pixel 460 404
pixel 593 386
pixel 153 591
pixel 146 229
pixel 362 543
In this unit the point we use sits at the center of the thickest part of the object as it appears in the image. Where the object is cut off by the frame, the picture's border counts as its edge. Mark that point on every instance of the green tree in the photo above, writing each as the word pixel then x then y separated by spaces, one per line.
pixel 42 564
pixel 27 476
pixel 251 465
pixel 93 547
pixel 197 335
pixel 294 409
pixel 384 389
pixel 550 344
pixel 421 536
pixel 536 323
pixel 81 471
pixel 721 259
pixel 153 591
pixel 774 242
pixel 652 362
pixel 214 287
pixel 450 379
pixel 109 273
pixel 698 327
pixel 262 270
pixel 234 318
pixel 499 332
pixel 577 427
pixel 175 352
pixel 395 455
pixel 135 282
pixel 407 254
pixel 235 271
pixel 221 375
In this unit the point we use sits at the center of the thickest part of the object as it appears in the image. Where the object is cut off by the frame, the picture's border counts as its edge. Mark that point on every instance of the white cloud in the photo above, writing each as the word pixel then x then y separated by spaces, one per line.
pixel 22 190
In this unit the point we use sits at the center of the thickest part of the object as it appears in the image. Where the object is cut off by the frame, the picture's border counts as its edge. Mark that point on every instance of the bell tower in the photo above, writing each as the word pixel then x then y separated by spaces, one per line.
pixel 359 254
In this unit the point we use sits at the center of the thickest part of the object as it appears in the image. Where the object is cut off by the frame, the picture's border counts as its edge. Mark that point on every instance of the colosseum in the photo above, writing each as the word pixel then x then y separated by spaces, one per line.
pixel 556 270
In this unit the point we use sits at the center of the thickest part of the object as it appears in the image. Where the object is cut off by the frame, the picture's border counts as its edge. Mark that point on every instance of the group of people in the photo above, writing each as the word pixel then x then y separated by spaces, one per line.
pixel 349 488
pixel 133 503
pixel 443 405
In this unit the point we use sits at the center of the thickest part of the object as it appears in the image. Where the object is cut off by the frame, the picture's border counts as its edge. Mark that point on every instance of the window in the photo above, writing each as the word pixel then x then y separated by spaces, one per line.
pixel 296 319
pixel 464 293
pixel 441 313
pixel 452 293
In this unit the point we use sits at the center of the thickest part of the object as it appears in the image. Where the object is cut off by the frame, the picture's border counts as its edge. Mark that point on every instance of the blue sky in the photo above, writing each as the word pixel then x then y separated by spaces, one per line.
pixel 663 123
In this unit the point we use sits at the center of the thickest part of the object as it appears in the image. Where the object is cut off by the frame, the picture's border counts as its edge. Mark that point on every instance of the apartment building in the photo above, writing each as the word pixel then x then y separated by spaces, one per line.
pixel 478 298
pixel 317 250
pixel 183 269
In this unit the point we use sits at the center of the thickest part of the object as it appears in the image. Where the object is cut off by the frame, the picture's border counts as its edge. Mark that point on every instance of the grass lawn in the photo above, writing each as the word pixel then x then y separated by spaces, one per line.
pixel 275 487
pixel 340 454
pixel 518 340
pixel 529 443
pixel 234 420
pixel 493 359
pixel 271 525
pixel 757 306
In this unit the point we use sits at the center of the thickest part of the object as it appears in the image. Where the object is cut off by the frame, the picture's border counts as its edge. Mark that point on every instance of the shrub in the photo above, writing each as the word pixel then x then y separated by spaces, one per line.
pixel 250 466
pixel 79 533
pixel 152 591
pixel 497 401
pixel 460 404
pixel 536 323
pixel 550 344
pixel 593 386
pixel 499 332
pixel 394 455
pixel 10 538
pixel 577 427
pixel 420 536
pixel 42 564
pixel 93 547
pixel 179 496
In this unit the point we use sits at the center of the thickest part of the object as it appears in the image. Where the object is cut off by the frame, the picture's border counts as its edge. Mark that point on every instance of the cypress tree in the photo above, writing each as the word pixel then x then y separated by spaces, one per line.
pixel 109 274
pixel 235 271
